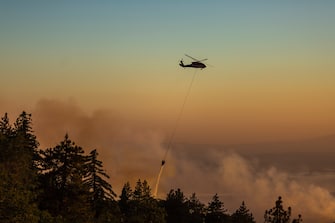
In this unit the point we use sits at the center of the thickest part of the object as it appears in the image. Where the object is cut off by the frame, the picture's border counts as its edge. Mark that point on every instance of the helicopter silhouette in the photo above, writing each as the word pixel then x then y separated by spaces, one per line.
pixel 195 64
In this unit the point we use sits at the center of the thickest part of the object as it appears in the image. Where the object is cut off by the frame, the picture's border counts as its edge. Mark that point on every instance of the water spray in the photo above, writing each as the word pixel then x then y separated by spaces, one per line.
pixel 173 134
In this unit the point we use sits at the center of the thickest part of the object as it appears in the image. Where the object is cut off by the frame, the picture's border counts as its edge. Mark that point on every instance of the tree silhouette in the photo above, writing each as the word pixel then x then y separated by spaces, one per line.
pixel 23 128
pixel 196 209
pixel 5 127
pixel 6 134
pixel 278 214
pixel 139 205
pixel 242 215
pixel 125 201
pixel 142 191
pixel 297 220
pixel 18 147
pixel 100 191
pixel 216 212
pixel 62 185
pixel 176 207
pixel 64 193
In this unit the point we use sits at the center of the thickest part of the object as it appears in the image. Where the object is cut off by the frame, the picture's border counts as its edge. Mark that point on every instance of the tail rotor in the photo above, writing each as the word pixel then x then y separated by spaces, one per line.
pixel 181 63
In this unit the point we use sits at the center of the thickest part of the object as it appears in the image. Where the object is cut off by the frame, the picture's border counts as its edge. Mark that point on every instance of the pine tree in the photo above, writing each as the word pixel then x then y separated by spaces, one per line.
pixel 297 220
pixel 24 134
pixel 18 174
pixel 64 193
pixel 101 193
pixel 176 207
pixel 216 212
pixel 5 127
pixel 125 201
pixel 142 191
pixel 196 209
pixel 278 214
pixel 5 137
pixel 139 205
pixel 126 193
pixel 25 146
pixel 242 215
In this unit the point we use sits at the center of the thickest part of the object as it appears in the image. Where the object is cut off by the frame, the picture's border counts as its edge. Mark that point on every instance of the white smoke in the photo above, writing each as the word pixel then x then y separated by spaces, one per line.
pixel 264 186
pixel 237 179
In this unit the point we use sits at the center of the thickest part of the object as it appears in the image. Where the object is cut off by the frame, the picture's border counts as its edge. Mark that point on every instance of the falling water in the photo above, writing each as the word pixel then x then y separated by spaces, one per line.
pixel 173 134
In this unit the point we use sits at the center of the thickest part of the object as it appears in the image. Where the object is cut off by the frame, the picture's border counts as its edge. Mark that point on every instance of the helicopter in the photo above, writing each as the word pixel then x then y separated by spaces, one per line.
pixel 195 64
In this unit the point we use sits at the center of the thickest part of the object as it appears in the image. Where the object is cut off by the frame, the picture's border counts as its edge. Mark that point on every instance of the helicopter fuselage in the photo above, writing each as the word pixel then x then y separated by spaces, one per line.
pixel 195 64
pixel 198 65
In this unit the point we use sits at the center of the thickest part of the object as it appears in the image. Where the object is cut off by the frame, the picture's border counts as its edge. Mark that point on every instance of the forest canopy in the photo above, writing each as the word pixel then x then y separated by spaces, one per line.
pixel 62 184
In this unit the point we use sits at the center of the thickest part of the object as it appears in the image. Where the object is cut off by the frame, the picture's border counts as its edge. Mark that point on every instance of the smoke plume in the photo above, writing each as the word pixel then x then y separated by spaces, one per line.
pixel 237 179
pixel 130 152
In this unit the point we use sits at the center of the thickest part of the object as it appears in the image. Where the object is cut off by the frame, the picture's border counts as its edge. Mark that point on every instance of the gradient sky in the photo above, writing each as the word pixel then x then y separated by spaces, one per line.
pixel 272 72
pixel 272 63
pixel 87 66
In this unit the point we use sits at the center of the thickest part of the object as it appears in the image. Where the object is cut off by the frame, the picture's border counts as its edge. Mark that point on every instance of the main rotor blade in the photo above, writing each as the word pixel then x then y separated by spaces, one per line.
pixel 202 60
pixel 191 57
